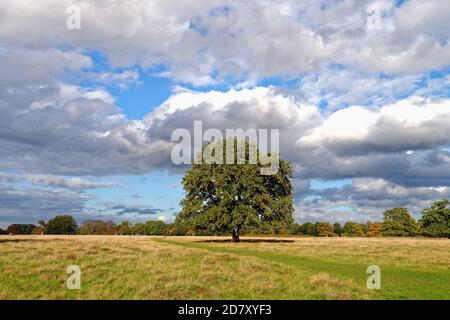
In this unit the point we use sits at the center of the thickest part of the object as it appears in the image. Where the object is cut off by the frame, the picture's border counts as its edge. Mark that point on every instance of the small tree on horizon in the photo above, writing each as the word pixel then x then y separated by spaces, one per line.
pixel 352 229
pixel 324 229
pixel 374 229
pixel 62 225
pixel 337 229
pixel 226 198
pixel 20 229
pixel 398 222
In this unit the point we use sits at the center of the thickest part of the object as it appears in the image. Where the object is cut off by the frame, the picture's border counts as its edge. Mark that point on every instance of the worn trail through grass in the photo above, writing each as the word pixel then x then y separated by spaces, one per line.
pixel 397 282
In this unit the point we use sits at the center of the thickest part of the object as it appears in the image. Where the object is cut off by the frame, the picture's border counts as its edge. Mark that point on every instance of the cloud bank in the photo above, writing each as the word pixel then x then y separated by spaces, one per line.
pixel 370 106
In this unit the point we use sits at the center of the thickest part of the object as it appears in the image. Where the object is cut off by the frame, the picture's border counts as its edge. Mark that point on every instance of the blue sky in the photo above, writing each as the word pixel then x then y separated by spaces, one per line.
pixel 161 189
pixel 362 103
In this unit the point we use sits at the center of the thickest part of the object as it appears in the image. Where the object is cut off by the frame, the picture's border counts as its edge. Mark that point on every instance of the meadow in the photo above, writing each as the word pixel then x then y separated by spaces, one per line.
pixel 141 267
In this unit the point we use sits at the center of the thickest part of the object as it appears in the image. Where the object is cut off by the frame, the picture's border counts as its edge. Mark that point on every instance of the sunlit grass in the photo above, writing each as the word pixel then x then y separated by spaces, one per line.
pixel 115 267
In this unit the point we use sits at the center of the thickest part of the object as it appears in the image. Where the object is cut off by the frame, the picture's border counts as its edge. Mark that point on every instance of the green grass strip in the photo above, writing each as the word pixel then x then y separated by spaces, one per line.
pixel 397 282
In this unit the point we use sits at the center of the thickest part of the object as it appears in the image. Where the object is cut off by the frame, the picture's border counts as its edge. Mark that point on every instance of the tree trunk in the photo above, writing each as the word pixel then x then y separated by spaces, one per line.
pixel 235 235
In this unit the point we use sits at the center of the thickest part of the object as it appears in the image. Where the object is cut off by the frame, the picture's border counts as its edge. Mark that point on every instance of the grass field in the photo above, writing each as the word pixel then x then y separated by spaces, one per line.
pixel 114 267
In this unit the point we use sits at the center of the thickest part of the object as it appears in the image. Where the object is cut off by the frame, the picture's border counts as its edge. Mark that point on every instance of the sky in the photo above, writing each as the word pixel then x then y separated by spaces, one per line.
pixel 360 91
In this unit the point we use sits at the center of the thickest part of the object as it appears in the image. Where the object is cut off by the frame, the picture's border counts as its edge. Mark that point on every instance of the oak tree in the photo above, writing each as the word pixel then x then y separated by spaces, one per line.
pixel 397 222
pixel 435 221
pixel 227 197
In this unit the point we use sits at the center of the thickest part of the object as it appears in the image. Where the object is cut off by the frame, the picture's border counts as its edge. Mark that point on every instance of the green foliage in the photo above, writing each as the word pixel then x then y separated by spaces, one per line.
pixel 266 227
pixel 177 229
pixel 435 221
pixel 124 228
pixel 337 229
pixel 20 229
pixel 324 229
pixel 91 227
pixel 352 229
pixel 398 222
pixel 295 229
pixel 366 226
pixel 62 225
pixel 263 228
pixel 309 229
pixel 151 227
pixel 231 197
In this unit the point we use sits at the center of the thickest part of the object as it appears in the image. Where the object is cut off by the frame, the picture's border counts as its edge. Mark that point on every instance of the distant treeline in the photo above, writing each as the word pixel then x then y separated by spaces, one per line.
pixel 397 222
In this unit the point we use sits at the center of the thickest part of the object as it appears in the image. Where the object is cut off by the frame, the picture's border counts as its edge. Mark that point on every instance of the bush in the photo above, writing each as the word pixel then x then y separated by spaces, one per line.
pixel 62 225
pixel 308 229
pixel 152 228
pixel 398 222
pixel 190 233
pixel 352 229
pixel 374 230
pixel 296 229
pixel 20 229
pixel 125 228
pixel 435 220
pixel 337 229
pixel 91 227
pixel 324 229
pixel 38 231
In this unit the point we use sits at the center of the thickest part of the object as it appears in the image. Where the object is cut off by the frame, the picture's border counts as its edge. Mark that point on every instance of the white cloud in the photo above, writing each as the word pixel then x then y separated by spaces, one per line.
pixel 69 183
pixel 120 79
pixel 55 181
pixel 410 124
pixel 204 43
pixel 51 128
pixel 365 199
pixel 162 218
pixel 343 87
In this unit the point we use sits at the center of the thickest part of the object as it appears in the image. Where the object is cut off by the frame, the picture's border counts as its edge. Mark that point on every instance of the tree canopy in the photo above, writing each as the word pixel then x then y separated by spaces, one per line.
pixel 226 198
pixel 397 222
pixel 352 229
pixel 435 220
pixel 62 225
pixel 20 229
pixel 324 229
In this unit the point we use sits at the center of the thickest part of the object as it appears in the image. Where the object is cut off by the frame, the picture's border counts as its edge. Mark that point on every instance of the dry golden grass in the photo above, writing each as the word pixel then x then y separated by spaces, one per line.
pixel 421 253
pixel 122 267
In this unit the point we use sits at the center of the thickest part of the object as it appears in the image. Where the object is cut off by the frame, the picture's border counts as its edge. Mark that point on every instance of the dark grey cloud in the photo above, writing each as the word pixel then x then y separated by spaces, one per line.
pixel 122 210
pixel 34 67
pixel 28 205
pixel 50 129
pixel 89 136
pixel 53 133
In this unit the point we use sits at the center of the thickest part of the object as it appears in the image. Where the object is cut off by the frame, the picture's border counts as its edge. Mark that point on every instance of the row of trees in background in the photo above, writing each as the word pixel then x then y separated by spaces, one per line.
pixel 397 222
pixel 67 225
